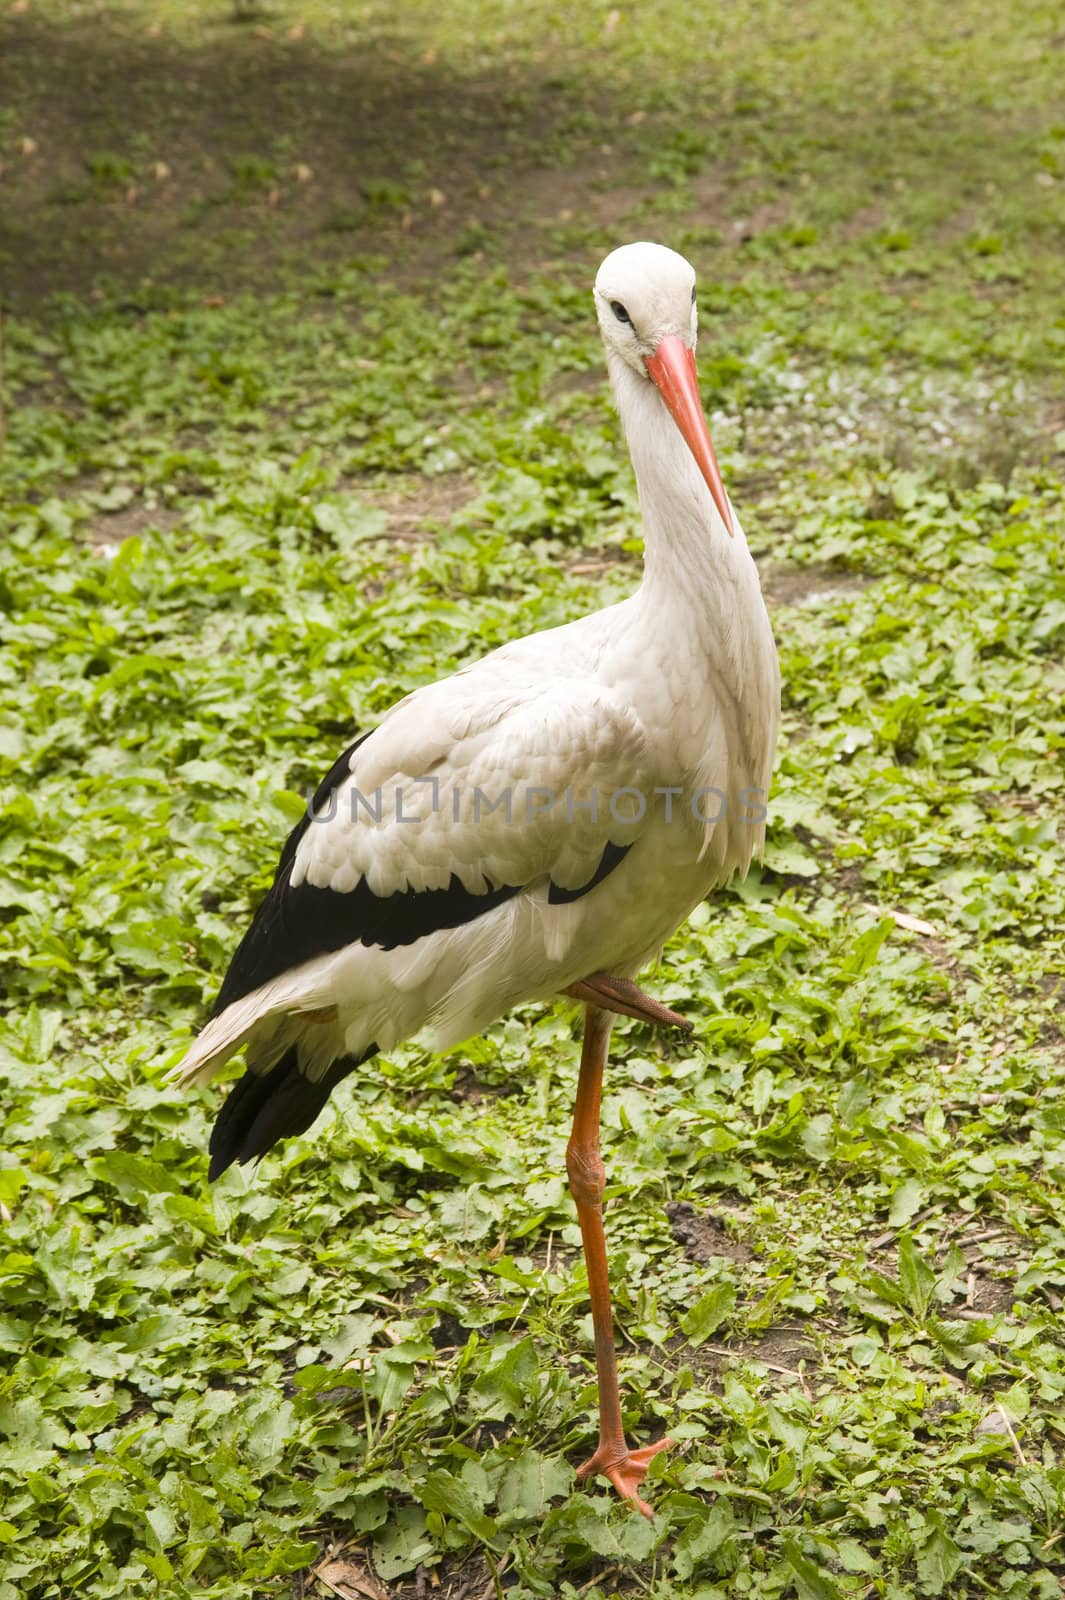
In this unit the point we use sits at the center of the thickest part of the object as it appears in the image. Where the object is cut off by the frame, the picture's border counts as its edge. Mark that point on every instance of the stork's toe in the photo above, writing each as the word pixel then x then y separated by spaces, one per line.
pixel 626 1472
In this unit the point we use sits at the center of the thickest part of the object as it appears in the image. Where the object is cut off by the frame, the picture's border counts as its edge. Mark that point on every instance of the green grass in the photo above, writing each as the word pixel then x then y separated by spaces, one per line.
pixel 272 462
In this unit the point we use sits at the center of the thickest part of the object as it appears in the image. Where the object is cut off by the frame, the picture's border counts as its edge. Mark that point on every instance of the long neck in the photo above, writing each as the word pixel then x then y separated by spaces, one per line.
pixel 700 601
pixel 689 557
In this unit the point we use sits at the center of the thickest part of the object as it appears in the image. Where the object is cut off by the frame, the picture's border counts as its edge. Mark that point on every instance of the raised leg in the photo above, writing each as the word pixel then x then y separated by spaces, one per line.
pixel 587 1179
pixel 621 996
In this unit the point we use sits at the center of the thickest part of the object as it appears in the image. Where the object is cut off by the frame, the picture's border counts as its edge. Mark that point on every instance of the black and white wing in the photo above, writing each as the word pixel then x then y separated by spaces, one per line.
pixel 470 792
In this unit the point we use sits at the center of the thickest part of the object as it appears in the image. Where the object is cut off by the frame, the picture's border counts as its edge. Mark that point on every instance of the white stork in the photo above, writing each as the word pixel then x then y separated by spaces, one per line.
pixel 538 824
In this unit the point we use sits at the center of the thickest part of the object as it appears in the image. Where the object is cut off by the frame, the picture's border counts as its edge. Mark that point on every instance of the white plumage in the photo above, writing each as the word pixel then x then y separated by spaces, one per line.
pixel 551 813
pixel 675 689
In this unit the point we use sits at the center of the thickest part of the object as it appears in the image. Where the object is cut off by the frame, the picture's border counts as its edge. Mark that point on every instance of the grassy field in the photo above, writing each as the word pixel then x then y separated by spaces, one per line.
pixel 303 406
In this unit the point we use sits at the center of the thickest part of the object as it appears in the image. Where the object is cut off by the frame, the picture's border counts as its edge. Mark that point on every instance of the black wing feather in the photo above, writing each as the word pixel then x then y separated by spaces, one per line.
pixel 293 925
pixel 262 1108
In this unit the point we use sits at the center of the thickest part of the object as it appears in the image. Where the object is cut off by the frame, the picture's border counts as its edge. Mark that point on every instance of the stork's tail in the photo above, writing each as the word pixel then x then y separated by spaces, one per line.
pixel 264 1107
pixel 298 996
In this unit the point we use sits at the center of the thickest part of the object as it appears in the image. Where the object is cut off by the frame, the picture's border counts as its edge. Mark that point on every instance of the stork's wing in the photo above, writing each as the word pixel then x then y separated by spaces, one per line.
pixel 470 791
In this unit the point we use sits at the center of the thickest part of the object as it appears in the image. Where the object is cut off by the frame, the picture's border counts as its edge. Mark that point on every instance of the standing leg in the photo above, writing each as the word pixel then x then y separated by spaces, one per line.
pixel 587 1179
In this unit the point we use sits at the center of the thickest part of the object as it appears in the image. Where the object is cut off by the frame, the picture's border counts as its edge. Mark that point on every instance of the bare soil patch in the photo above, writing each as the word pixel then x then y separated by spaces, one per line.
pixel 414 512
pixel 112 528
pixel 785 584
pixel 704 1236
pixel 153 161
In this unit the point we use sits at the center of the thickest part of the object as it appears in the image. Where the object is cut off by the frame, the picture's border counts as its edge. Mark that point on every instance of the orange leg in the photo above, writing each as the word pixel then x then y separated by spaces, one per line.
pixel 587 1179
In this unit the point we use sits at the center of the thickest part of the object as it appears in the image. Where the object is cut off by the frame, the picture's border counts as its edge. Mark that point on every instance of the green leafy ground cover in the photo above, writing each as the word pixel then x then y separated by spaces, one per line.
pixel 280 448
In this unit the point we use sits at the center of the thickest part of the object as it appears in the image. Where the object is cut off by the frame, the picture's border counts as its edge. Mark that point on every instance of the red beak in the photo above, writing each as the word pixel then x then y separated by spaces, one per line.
pixel 672 367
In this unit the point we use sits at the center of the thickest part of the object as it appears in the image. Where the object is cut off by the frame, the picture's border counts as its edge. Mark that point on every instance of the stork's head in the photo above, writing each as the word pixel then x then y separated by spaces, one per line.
pixel 645 298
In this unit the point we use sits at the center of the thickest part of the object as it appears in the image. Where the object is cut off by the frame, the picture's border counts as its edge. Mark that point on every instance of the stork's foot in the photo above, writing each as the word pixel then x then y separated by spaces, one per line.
pixel 626 1470
pixel 622 996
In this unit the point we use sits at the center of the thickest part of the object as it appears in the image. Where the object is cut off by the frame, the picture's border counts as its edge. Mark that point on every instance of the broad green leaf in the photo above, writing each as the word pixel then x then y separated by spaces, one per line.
pixel 916 1277
pixel 500 1388
pixel 709 1312
pixel 866 948
pixel 906 1201
pixel 531 1480
pixel 445 1493
pixel 12 1181
pixel 939 1559
pixel 349 522
pixel 811 1582
pixel 133 1176
pixel 703 1536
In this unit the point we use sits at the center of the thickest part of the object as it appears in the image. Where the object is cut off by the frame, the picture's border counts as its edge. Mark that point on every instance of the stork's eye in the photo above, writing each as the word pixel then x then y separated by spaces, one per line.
pixel 619 311
pixel 693 294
